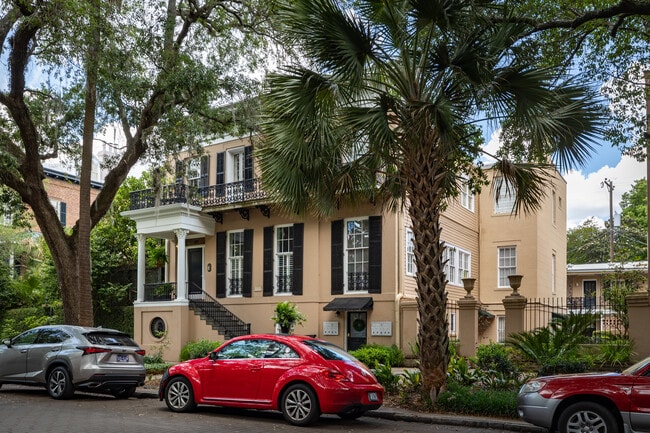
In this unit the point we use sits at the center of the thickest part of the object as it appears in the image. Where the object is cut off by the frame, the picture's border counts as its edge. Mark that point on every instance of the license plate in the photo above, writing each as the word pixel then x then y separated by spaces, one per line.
pixel 122 358
pixel 372 396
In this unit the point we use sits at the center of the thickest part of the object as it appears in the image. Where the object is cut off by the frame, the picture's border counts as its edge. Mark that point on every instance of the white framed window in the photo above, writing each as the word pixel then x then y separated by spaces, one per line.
pixel 501 329
pixel 507 264
pixel 466 197
pixel 235 263
pixel 553 207
pixel 504 196
pixel 193 172
pixel 235 165
pixel 411 267
pixel 553 274
pixel 458 265
pixel 60 209
pixel 283 263
pixel 357 255
pixel 452 322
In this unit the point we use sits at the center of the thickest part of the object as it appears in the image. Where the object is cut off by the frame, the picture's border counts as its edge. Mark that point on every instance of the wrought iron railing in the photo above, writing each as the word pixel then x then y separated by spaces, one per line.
pixel 284 284
pixel 213 195
pixel 218 316
pixel 159 292
pixel 357 281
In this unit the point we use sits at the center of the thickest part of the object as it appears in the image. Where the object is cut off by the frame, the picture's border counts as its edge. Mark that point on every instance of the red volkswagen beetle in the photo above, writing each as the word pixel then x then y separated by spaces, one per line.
pixel 592 402
pixel 302 377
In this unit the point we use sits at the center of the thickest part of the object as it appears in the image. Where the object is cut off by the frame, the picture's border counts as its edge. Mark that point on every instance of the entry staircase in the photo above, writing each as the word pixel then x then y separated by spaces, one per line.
pixel 216 315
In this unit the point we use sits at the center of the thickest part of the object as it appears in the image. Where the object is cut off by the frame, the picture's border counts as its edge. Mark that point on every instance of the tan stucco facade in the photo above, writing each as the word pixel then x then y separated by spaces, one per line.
pixel 472 230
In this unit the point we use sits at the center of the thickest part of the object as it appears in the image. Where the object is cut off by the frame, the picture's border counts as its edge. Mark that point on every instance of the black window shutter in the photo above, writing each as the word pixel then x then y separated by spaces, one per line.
pixel 205 164
pixel 337 257
pixel 267 283
pixel 221 174
pixel 62 213
pixel 374 254
pixel 180 171
pixel 221 265
pixel 298 242
pixel 248 162
pixel 247 289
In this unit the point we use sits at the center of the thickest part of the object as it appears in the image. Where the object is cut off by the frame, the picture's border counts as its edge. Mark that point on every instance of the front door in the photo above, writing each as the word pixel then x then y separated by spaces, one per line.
pixel 589 294
pixel 357 329
pixel 195 270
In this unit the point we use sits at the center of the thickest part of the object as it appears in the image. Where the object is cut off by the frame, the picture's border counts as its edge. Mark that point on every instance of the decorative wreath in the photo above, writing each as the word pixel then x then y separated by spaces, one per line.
pixel 157 327
pixel 359 325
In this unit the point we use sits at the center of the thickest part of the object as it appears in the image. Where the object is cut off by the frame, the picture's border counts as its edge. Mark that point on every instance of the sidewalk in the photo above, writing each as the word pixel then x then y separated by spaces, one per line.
pixel 399 414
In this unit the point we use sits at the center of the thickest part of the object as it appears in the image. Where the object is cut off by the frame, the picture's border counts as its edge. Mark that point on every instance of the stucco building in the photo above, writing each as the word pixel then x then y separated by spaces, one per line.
pixel 232 256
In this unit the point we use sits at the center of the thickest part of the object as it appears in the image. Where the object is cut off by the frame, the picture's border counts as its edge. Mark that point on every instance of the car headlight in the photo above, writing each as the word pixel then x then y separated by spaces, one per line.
pixel 532 386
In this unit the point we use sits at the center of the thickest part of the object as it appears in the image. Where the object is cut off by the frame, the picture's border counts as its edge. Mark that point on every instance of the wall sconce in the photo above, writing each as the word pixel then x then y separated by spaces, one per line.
pixel 209 267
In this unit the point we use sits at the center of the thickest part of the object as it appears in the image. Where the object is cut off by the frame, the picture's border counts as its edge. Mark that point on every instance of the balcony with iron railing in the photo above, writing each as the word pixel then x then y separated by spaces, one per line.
pixel 242 192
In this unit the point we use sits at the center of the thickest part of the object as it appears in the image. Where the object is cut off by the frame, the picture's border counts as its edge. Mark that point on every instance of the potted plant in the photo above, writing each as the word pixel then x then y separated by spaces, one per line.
pixel 287 316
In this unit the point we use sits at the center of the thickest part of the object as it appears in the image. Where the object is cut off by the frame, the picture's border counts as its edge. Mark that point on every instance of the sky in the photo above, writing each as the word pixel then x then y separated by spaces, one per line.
pixel 587 196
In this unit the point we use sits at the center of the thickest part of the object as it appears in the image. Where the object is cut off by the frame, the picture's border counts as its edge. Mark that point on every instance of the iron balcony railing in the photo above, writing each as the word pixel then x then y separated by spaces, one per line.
pixel 213 195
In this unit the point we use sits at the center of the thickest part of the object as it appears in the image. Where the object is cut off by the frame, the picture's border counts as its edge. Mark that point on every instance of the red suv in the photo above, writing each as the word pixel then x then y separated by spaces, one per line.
pixel 592 402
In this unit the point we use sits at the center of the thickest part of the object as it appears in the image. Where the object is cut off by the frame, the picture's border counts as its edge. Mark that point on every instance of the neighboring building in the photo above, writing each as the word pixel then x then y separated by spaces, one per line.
pixel 233 256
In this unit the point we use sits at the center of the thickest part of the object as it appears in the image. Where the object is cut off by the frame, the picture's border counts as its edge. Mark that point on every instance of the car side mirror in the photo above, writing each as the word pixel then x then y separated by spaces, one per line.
pixel 213 356
pixel 7 343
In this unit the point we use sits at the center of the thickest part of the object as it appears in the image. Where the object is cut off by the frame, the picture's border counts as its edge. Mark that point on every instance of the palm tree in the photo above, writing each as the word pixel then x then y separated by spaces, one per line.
pixel 390 109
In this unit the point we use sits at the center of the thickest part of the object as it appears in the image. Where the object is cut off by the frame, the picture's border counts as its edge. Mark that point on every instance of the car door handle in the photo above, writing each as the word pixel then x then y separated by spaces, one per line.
pixel 256 368
pixel 23 351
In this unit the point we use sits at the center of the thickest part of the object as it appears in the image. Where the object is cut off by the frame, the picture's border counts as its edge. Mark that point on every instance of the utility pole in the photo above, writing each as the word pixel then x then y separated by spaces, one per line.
pixel 610 187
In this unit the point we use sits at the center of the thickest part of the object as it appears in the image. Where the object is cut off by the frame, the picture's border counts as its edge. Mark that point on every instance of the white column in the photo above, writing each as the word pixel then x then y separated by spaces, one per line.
pixel 181 261
pixel 141 266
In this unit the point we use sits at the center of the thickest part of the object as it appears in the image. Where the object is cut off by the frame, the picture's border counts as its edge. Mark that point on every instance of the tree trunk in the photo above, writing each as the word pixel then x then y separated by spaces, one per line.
pixel 425 173
pixel 84 223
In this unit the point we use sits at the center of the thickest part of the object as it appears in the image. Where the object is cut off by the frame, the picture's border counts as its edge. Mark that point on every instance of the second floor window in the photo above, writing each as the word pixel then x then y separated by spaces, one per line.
pixel 504 196
pixel 235 259
pixel 458 264
pixel 411 267
pixel 60 208
pixel 507 258
pixel 356 254
pixel 283 259
pixel 467 197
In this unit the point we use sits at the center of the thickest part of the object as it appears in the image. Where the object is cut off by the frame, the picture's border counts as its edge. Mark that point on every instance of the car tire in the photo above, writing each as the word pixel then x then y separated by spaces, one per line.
pixel 351 414
pixel 123 393
pixel 59 384
pixel 583 416
pixel 179 395
pixel 299 405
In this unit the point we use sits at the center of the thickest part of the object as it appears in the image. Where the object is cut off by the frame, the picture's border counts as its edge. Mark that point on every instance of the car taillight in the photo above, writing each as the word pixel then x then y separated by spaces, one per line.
pixel 336 375
pixel 89 350
pixel 141 352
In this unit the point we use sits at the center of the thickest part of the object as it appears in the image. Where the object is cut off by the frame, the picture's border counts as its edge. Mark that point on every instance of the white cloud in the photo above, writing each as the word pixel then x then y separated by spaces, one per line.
pixel 588 197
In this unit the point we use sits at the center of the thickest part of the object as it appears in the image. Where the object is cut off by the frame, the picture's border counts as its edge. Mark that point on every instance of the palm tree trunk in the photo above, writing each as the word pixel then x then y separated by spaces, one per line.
pixel 425 173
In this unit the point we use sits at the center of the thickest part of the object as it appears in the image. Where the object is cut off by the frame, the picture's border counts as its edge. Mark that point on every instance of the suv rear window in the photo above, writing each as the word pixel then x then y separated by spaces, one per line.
pixel 110 339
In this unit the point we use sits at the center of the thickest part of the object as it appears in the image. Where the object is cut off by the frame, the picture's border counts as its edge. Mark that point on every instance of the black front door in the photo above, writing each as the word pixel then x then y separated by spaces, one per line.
pixel 195 270
pixel 357 329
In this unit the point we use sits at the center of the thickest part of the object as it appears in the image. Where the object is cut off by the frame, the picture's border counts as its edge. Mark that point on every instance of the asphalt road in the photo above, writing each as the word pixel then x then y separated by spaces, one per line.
pixel 29 410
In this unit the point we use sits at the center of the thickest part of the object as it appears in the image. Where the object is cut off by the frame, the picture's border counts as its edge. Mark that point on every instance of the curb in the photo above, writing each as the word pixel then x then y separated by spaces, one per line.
pixel 396 414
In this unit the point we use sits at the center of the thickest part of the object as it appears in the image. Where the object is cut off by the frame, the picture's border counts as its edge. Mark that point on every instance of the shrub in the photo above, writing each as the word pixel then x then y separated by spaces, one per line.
pixel 198 349
pixel 466 400
pixel 564 366
pixel 496 357
pixel 386 378
pixel 374 354
pixel 615 353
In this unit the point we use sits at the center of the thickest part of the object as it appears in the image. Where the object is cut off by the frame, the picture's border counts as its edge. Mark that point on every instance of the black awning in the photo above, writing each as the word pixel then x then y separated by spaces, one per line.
pixel 349 304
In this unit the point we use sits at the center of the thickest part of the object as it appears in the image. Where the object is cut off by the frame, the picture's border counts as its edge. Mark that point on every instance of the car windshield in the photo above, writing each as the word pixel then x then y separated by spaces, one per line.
pixel 633 369
pixel 329 351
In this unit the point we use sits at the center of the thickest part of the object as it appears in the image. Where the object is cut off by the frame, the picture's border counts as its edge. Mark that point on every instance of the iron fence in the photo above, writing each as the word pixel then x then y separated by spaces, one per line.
pixel 610 317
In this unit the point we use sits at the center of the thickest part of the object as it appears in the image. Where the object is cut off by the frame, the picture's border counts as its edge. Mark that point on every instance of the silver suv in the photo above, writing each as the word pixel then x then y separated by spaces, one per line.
pixel 64 358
